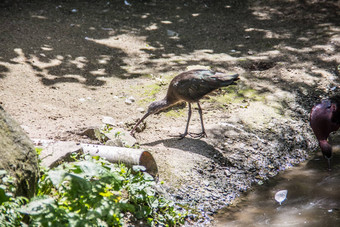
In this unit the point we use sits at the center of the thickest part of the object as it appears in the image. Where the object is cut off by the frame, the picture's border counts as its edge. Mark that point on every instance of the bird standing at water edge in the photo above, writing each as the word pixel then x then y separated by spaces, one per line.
pixel 190 86
pixel 324 119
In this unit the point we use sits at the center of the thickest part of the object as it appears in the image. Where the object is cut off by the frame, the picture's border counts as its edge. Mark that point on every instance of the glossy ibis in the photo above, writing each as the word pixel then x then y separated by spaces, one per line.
pixel 324 119
pixel 190 86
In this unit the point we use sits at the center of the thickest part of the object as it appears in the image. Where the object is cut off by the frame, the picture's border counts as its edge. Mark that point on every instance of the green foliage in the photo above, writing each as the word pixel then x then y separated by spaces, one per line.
pixel 9 204
pixel 94 192
pixel 38 150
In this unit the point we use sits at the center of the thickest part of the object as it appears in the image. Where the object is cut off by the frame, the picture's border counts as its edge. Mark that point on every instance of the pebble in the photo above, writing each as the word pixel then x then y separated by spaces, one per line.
pixel 141 110
pixel 172 33
pixel 130 100
pixel 108 120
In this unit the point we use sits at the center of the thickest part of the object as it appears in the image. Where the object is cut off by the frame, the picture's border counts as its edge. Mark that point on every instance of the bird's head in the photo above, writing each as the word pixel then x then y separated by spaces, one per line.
pixel 157 106
pixel 153 108
pixel 335 107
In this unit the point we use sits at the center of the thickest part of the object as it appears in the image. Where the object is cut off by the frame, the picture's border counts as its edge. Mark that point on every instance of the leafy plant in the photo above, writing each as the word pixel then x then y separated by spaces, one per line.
pixel 94 192
pixel 9 204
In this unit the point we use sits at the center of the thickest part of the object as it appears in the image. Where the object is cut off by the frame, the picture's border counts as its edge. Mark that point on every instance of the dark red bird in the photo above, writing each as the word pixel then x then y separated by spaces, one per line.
pixel 190 87
pixel 324 119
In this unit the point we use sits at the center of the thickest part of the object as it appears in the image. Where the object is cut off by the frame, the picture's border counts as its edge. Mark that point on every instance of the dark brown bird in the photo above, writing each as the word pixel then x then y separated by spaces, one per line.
pixel 324 119
pixel 190 86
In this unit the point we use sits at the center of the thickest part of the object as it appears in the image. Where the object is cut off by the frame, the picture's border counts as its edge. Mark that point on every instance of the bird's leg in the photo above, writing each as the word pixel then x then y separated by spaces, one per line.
pixel 187 126
pixel 329 163
pixel 202 134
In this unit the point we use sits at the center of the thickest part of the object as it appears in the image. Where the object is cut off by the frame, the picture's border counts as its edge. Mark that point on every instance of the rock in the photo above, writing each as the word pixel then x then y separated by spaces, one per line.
pixel 141 110
pixel 108 120
pixel 18 156
pixel 114 142
pixel 58 151
pixel 141 127
pixel 130 100
pixel 121 124
pixel 120 136
pixel 172 33
pixel 91 132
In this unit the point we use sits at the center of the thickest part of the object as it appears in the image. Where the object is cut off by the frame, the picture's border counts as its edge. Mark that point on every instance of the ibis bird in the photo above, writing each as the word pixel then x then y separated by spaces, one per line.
pixel 324 119
pixel 190 87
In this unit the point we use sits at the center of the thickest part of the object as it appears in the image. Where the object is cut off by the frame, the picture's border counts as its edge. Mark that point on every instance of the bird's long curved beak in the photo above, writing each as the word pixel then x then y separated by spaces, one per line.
pixel 134 128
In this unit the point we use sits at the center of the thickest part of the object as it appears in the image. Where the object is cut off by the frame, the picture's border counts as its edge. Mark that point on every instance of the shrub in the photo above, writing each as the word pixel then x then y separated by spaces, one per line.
pixel 94 192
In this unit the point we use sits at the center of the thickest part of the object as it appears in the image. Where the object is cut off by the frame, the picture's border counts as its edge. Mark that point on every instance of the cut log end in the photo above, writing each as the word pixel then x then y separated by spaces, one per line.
pixel 147 160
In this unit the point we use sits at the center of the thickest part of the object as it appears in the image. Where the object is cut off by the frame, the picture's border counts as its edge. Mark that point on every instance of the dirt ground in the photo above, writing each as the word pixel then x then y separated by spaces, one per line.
pixel 66 64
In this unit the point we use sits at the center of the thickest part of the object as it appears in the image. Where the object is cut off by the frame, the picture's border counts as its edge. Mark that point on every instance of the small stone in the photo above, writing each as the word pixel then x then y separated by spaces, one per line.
pixel 90 132
pixel 227 173
pixel 206 183
pixel 115 143
pixel 125 138
pixel 128 101
pixel 172 33
pixel 132 99
pixel 121 124
pixel 141 110
pixel 127 3
pixel 108 120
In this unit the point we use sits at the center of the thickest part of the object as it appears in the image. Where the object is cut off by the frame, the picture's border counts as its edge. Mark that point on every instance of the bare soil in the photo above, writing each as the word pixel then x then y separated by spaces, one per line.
pixel 66 64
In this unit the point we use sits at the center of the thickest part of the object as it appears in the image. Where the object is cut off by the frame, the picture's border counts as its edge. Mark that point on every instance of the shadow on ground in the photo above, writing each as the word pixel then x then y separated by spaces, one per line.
pixel 195 146
pixel 79 42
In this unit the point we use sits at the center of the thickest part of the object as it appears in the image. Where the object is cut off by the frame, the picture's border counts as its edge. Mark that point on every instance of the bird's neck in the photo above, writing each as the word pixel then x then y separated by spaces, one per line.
pixel 326 148
pixel 163 104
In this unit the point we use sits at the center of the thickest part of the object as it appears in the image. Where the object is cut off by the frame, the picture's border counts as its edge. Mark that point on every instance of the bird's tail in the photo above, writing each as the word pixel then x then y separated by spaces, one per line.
pixel 225 79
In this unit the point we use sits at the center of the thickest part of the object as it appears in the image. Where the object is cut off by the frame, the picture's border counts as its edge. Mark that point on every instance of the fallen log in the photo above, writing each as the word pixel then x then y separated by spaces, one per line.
pixel 128 156
pixel 56 152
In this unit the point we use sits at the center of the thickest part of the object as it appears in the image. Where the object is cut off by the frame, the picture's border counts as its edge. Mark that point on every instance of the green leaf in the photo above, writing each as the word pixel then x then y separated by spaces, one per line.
pixel 38 150
pixel 138 168
pixel 39 206
pixel 3 197
pixel 89 168
pixel 56 176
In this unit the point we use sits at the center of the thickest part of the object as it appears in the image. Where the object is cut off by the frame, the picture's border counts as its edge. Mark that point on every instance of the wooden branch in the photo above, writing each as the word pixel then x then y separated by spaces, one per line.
pixel 128 156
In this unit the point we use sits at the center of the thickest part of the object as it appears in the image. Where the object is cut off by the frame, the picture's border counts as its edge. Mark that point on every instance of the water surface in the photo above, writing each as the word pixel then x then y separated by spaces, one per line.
pixel 313 199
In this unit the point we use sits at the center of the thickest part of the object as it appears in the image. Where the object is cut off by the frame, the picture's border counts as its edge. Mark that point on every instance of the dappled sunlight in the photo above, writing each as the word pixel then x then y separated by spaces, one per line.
pixel 122 41
pixel 268 34
pixel 66 64
pixel 161 41
pixel 134 47
pixel 36 61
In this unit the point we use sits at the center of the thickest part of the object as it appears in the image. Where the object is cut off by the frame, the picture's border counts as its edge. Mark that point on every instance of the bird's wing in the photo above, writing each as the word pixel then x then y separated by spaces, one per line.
pixel 193 87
